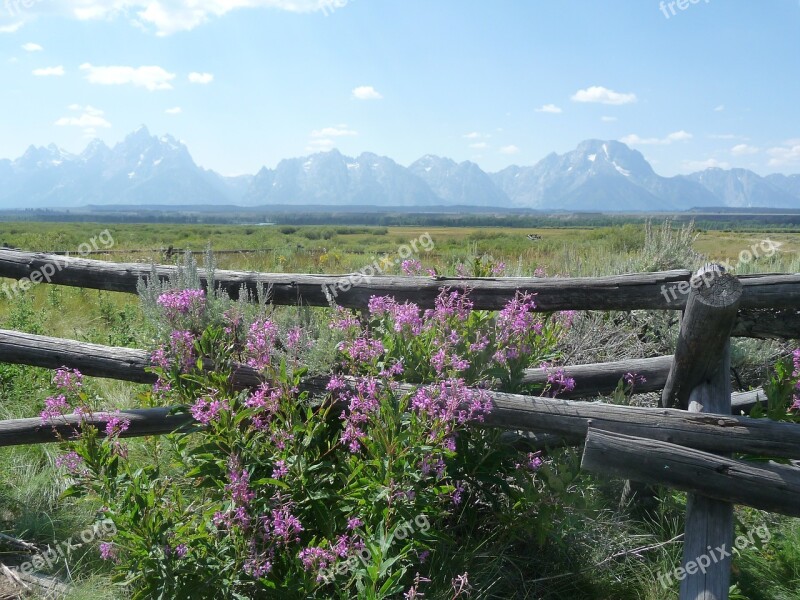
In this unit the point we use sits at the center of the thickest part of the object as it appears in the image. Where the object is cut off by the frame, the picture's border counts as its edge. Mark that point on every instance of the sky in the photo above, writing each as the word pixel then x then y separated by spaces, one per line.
pixel 245 83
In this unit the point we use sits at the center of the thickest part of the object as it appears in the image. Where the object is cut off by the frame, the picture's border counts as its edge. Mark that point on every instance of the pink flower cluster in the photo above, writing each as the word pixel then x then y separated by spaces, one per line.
pixel 72 462
pixel 207 408
pixel 238 489
pixel 447 404
pixel 362 349
pixel 515 325
pixel 54 407
pixel 533 462
pixel 70 382
pixel 276 528
pixel 260 343
pixel 411 267
pixel 363 403
pixel 401 315
pixel 68 379
pixel 319 559
pixel 559 382
pixel 633 378
pixel 108 551
pixel 266 401
pixel 115 426
pixel 182 305
pixel 178 351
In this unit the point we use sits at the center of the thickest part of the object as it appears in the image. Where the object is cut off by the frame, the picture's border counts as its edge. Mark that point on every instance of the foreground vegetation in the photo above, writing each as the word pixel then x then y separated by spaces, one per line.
pixel 541 531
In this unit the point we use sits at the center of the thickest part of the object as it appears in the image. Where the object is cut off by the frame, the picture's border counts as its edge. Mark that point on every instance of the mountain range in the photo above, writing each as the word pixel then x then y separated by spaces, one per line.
pixel 597 175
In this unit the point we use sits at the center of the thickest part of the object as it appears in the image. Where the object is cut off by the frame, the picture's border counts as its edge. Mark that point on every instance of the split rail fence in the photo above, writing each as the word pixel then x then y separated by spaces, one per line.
pixel 686 443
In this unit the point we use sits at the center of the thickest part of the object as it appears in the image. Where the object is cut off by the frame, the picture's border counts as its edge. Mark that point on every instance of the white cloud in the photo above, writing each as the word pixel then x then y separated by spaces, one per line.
pixel 31 47
pixel 366 92
pixel 677 136
pixel 201 77
pixel 719 108
pixel 89 118
pixel 511 149
pixel 606 119
pixel 549 108
pixel 479 145
pixel 49 71
pixel 176 110
pixel 11 28
pixel 702 165
pixel 597 93
pixel 744 149
pixel 329 132
pixel 474 135
pixel 171 16
pixel 787 155
pixel 149 77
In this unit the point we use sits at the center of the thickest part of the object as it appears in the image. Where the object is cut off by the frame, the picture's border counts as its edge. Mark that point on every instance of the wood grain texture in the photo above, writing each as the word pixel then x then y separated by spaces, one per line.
pixel 767 486
pixel 620 292
pixel 709 520
pixel 704 333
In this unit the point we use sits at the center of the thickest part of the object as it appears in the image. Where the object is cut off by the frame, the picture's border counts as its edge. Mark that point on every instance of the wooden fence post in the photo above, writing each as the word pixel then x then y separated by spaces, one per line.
pixel 700 382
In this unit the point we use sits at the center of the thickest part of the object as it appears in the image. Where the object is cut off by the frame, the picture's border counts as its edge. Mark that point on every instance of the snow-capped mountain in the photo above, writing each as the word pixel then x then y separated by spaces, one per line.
pixel 742 188
pixel 334 179
pixel 140 169
pixel 597 175
pixel 459 183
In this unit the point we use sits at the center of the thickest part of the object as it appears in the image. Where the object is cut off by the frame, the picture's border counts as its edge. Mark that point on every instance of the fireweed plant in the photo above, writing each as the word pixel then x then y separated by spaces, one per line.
pixel 782 391
pixel 359 486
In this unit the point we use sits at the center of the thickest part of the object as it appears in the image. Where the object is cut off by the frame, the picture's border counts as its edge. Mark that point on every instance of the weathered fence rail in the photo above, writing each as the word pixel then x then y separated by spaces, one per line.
pixel 665 290
pixel 767 486
pixel 130 364
pixel 569 418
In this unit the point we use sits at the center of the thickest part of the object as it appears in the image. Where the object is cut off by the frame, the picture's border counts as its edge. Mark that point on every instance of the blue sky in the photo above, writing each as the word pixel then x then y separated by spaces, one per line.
pixel 245 83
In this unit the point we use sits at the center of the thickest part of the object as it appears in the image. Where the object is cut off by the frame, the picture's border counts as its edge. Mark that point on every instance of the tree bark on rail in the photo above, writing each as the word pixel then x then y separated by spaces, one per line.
pixel 619 292
pixel 766 486
pixel 704 334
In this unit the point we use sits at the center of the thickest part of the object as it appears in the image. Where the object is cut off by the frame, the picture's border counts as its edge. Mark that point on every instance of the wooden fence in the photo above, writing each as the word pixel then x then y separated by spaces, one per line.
pixel 686 444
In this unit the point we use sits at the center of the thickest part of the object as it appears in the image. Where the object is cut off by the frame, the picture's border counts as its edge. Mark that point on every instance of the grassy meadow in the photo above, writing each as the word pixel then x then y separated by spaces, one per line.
pixel 595 557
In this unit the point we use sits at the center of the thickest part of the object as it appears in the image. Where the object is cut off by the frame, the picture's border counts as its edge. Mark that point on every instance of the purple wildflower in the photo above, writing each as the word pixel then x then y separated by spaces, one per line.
pixel 499 268
pixel 108 551
pixel 54 407
pixel 260 343
pixel 207 408
pixel 71 461
pixel 280 470
pixel 179 305
pixel 411 267
pixel 238 487
pixel 68 379
pixel 457 494
pixel 116 426
pixel 533 462
pixel 559 382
